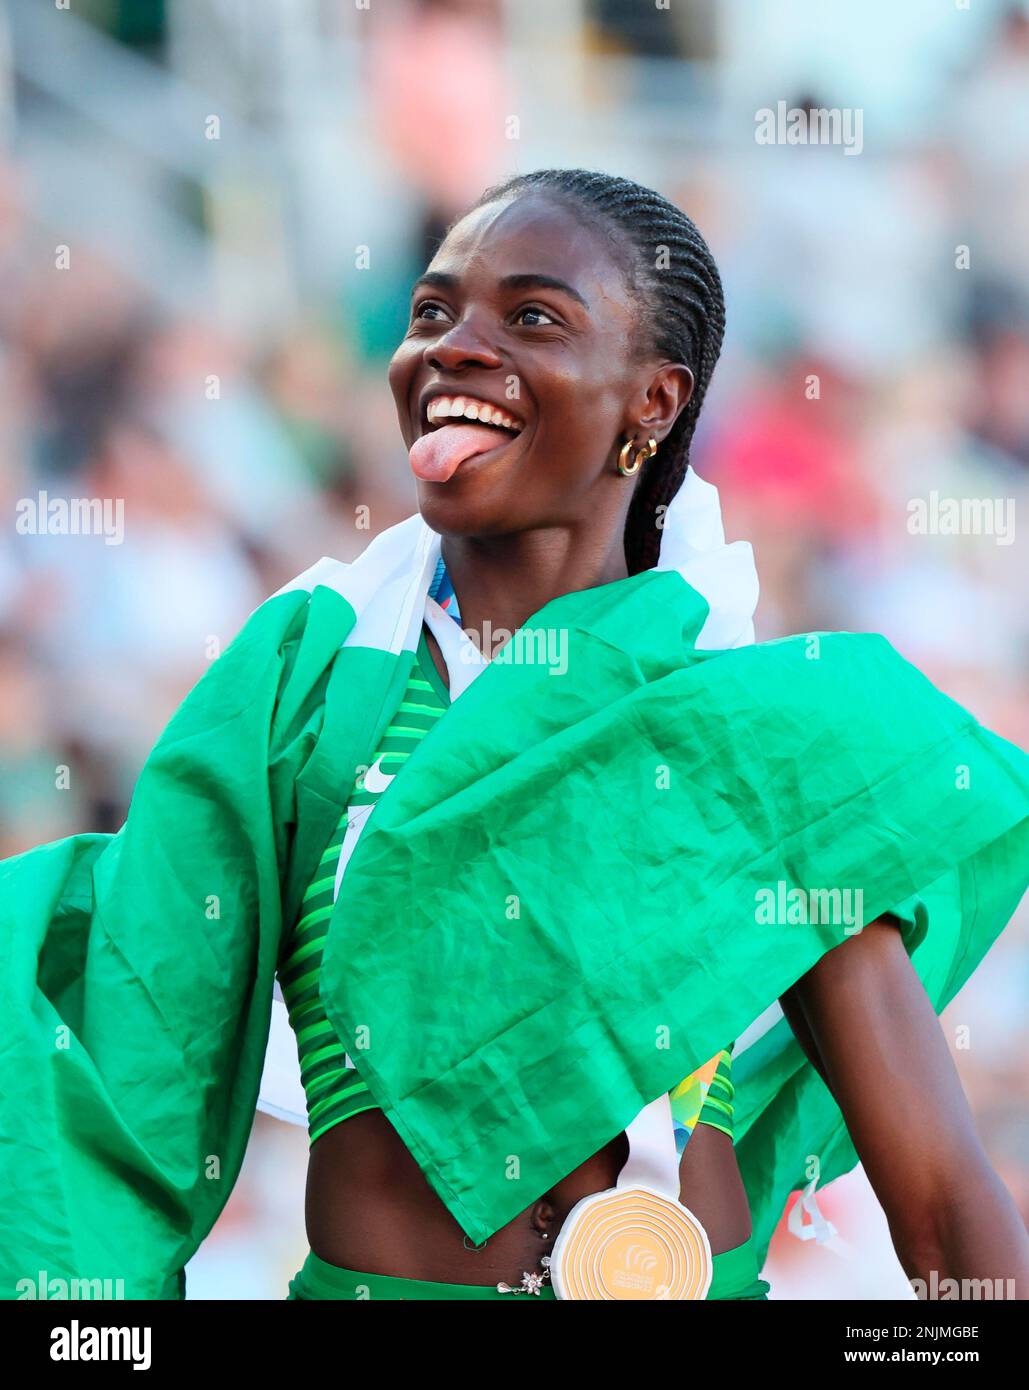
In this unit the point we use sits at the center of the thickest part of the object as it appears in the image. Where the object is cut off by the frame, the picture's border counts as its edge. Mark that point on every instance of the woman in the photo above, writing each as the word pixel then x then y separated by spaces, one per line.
pixel 605 857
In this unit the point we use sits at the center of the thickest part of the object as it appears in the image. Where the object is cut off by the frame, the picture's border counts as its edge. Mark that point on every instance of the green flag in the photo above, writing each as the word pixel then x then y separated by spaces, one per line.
pixel 559 910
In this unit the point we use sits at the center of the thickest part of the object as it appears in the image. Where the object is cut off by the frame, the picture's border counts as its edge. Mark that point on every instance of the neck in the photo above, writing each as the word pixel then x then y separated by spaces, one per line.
pixel 502 580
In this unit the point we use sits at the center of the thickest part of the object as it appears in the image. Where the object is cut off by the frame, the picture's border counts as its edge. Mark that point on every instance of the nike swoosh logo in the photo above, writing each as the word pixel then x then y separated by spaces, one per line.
pixel 375 780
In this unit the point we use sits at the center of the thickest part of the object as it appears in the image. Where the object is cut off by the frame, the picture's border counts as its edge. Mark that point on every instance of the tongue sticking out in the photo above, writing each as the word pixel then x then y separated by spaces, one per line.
pixel 438 455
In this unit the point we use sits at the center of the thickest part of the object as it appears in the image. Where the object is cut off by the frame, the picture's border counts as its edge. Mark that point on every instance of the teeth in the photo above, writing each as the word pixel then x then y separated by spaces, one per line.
pixel 468 408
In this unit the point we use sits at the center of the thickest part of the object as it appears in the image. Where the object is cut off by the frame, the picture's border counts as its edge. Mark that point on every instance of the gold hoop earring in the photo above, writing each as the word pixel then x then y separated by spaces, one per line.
pixel 624 467
pixel 648 451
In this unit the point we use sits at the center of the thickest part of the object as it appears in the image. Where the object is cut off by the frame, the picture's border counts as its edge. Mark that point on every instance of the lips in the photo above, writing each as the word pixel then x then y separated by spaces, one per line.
pixel 458 427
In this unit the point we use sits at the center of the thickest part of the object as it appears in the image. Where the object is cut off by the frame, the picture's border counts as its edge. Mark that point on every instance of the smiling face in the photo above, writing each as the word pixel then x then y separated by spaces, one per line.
pixel 525 321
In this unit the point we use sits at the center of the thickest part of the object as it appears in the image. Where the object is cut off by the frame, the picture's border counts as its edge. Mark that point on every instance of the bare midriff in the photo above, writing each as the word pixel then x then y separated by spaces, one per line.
pixel 370 1207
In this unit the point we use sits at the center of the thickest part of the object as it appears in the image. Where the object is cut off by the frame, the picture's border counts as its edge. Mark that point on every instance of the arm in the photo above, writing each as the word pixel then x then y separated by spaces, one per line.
pixel 865 1022
pixel 136 974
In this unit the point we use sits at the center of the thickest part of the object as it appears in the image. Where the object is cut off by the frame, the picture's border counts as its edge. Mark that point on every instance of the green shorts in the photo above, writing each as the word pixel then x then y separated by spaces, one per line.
pixel 736 1276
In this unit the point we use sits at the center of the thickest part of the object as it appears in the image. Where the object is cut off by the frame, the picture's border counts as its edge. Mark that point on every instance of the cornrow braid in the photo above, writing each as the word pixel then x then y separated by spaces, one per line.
pixel 670 269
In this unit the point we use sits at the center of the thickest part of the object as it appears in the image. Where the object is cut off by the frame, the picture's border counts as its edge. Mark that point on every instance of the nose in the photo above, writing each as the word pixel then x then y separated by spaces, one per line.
pixel 463 346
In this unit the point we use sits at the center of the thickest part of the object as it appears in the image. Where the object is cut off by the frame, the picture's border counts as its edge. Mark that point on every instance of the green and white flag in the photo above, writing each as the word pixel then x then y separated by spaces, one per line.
pixel 590 876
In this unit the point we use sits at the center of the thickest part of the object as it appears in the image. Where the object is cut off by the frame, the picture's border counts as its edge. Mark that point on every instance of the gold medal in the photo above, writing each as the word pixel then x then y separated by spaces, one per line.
pixel 631 1242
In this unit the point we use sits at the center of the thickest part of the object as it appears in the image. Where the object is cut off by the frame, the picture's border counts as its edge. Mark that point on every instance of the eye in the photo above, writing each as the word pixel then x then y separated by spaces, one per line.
pixel 428 309
pixel 541 316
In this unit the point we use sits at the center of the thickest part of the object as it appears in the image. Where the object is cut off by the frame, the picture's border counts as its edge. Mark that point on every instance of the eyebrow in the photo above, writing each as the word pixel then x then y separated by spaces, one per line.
pixel 437 279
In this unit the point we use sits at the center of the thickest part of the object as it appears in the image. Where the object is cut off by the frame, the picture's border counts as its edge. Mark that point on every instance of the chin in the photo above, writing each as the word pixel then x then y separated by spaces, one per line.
pixel 451 510
pixel 452 516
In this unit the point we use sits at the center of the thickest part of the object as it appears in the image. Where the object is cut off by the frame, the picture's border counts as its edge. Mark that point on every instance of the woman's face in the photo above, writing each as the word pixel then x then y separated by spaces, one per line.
pixel 522 310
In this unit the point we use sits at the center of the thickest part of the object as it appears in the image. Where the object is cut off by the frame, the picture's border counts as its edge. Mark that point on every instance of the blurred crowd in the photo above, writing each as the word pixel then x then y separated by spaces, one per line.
pixel 877 351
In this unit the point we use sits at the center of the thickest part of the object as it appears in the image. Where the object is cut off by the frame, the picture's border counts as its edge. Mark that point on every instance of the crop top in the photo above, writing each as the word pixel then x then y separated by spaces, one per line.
pixel 333 1087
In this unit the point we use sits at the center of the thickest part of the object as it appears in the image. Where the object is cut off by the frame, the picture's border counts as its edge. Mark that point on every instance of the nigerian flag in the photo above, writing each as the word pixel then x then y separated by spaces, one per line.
pixel 571 897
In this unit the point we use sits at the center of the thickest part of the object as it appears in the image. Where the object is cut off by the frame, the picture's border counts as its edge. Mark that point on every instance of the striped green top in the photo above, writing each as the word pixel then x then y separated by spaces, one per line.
pixel 333 1087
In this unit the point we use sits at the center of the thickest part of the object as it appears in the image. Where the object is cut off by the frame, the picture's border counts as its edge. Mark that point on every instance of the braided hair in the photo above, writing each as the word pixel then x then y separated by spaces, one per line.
pixel 669 267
